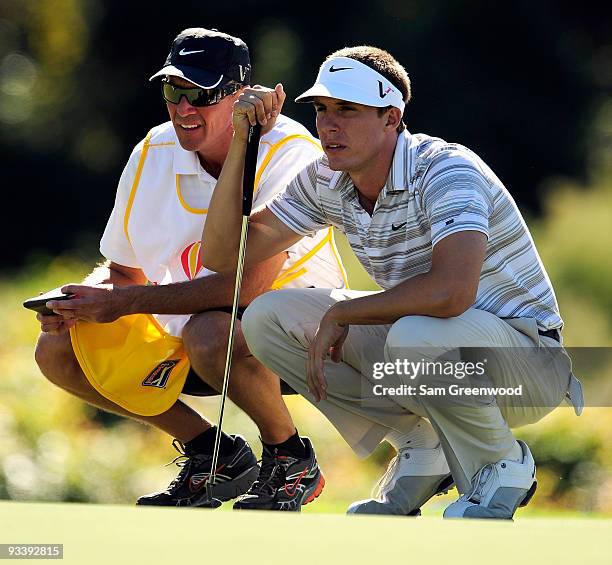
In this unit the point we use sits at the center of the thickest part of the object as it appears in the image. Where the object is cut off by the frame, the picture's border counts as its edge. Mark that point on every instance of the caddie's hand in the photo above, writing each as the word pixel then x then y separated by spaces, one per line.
pixel 54 325
pixel 102 303
pixel 328 341
pixel 257 104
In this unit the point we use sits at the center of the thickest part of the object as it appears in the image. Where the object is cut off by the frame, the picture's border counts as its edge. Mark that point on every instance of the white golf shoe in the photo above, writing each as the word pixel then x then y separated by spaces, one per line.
pixel 413 477
pixel 498 489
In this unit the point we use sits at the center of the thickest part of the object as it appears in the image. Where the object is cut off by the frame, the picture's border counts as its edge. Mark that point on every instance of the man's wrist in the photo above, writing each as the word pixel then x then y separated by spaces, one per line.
pixel 239 141
pixel 338 314
pixel 128 299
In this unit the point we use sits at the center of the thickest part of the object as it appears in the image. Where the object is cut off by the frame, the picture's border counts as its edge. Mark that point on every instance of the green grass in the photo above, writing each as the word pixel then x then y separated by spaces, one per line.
pixel 96 534
pixel 55 448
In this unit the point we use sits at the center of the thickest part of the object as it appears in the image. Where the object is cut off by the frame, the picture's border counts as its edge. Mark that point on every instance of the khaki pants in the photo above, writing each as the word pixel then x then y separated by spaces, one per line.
pixel 279 326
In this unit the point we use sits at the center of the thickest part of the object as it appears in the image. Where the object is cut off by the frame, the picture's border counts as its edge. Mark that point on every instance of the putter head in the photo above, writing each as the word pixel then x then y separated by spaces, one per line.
pixel 211 501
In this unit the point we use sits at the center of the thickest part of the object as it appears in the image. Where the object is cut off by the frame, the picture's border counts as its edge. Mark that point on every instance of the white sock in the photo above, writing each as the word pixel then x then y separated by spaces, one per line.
pixel 422 435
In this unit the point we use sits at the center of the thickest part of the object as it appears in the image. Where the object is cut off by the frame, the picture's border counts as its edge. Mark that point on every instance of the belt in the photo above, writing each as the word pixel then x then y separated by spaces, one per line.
pixel 551 333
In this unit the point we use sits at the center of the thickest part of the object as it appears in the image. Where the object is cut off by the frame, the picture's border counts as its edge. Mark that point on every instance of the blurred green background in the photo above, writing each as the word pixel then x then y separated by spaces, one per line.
pixel 527 87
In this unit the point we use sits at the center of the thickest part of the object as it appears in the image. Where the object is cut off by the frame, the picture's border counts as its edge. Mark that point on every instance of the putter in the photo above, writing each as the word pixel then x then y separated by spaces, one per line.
pixel 248 186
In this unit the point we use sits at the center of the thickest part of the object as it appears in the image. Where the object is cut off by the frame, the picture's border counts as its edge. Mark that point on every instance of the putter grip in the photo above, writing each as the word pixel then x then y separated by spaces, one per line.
pixel 250 164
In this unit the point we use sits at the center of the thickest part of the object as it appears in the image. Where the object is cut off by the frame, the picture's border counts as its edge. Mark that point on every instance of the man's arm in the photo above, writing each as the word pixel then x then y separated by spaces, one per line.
pixel 104 274
pixel 267 234
pixel 107 302
pixel 204 293
pixel 113 273
pixel 447 290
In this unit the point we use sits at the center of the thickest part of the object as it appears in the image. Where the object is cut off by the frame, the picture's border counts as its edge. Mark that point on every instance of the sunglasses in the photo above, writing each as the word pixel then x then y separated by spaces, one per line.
pixel 198 96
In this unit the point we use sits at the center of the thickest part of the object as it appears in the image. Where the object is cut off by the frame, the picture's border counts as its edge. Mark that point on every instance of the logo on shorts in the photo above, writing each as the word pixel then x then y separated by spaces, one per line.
pixel 190 260
pixel 159 376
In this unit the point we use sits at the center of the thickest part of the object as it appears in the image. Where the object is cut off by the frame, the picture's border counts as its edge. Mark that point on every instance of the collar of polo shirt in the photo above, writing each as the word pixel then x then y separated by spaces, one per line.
pixel 348 79
pixel 187 163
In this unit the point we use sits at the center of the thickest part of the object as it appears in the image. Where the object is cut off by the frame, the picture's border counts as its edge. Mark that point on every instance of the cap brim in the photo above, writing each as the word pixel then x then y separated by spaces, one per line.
pixel 199 77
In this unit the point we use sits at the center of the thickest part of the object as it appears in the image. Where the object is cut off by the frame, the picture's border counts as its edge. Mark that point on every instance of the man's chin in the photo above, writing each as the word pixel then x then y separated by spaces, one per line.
pixel 189 141
pixel 188 146
pixel 335 164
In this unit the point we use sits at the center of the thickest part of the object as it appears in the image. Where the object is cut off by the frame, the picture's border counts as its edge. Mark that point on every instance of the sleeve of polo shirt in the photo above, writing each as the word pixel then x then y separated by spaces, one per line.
pixel 456 195
pixel 298 205
pixel 285 162
pixel 114 244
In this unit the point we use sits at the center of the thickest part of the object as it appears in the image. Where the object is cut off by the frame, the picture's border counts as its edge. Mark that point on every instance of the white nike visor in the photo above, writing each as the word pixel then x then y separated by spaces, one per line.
pixel 348 79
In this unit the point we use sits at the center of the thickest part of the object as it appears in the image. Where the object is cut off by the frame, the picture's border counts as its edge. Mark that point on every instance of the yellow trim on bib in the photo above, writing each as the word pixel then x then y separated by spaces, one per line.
pixel 184 204
pixel 308 255
pixel 280 282
pixel 162 144
pixel 288 275
pixel 274 148
pixel 141 162
pixel 336 253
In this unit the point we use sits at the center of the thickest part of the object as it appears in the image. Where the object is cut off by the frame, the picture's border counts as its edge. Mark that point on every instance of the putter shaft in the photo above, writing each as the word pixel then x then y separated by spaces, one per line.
pixel 228 358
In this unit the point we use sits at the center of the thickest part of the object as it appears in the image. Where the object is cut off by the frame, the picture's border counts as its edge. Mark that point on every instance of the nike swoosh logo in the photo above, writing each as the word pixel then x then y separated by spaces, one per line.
pixel 183 52
pixel 292 489
pixel 395 228
pixel 198 480
pixel 333 69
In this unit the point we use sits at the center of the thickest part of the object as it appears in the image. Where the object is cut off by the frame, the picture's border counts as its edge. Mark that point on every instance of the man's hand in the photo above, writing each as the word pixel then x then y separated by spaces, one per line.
pixel 54 325
pixel 257 104
pixel 328 340
pixel 102 303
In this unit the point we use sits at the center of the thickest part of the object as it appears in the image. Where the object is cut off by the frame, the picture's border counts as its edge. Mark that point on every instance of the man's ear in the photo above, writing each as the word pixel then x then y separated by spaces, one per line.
pixel 394 117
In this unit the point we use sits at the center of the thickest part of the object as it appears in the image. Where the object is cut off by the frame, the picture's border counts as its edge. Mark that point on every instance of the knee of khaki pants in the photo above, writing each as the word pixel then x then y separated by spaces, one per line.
pixel 284 315
pixel 420 335
pixel 421 331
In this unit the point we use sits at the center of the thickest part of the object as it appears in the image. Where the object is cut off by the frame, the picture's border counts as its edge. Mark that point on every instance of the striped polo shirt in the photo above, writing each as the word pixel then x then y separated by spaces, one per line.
pixel 434 189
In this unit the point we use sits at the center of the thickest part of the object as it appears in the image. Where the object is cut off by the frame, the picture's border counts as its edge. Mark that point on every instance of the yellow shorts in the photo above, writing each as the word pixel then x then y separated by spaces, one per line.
pixel 133 362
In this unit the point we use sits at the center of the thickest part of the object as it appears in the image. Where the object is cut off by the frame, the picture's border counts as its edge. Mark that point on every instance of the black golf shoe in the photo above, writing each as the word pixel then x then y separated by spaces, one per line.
pixel 236 472
pixel 284 482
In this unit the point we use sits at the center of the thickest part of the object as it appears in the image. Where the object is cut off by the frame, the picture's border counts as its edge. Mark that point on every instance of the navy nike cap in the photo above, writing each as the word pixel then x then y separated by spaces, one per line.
pixel 208 58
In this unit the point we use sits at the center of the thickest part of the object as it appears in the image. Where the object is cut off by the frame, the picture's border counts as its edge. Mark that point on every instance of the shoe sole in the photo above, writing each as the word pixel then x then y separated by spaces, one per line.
pixel 318 489
pixel 230 489
pixel 444 486
pixel 526 499
pixel 529 494
pixel 307 497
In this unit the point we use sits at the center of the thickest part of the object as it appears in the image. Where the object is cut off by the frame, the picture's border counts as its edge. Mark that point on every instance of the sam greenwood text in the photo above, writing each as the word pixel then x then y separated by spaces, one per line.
pixel 450 390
